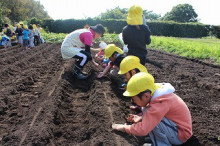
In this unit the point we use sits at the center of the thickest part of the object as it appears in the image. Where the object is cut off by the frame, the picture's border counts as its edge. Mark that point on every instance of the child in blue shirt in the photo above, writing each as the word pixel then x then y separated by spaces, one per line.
pixel 25 37
pixel 3 41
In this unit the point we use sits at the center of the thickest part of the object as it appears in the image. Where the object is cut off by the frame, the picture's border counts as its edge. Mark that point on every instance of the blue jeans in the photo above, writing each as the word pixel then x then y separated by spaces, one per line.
pixel 165 134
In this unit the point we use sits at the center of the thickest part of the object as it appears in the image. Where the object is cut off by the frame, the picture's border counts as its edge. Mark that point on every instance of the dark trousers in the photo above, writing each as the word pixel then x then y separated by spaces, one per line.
pixel 36 40
pixel 82 58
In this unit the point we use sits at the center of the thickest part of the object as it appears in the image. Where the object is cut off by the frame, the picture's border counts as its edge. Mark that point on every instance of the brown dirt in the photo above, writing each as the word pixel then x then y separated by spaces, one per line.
pixel 42 104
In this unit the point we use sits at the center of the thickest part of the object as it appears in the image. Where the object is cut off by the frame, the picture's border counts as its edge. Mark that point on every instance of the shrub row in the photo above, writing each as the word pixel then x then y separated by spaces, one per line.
pixel 159 28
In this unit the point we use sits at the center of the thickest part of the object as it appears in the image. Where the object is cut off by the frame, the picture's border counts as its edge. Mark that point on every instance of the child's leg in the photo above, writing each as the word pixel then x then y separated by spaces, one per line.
pixel 83 57
pixel 165 133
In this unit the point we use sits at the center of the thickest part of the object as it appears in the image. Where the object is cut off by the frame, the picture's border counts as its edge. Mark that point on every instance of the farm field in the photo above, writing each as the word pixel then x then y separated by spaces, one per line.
pixel 42 104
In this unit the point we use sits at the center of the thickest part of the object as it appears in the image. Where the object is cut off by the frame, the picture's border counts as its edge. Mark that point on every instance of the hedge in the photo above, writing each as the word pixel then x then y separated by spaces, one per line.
pixel 158 28
pixel 216 31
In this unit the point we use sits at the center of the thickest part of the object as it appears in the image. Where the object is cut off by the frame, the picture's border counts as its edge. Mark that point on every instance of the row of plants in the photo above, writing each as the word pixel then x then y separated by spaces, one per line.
pixel 206 48
pixel 192 48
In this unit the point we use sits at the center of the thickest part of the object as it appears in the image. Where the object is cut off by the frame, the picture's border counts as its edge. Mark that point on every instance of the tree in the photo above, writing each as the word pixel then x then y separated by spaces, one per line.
pixel 150 15
pixel 118 13
pixel 24 9
pixel 181 13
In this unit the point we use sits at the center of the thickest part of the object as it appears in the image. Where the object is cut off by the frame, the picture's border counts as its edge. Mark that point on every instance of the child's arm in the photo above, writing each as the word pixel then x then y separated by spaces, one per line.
pixel 96 50
pixel 106 70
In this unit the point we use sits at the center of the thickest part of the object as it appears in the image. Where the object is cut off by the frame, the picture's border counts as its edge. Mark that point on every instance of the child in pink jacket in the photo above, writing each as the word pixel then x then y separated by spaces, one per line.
pixel 166 118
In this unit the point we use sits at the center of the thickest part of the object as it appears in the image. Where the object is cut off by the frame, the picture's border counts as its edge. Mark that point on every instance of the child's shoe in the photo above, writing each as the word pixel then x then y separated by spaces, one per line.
pixel 78 74
pixel 123 86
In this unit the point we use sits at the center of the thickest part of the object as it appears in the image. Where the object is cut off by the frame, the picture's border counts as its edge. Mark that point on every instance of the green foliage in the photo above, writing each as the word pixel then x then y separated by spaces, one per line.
pixel 149 15
pixel 160 28
pixel 109 38
pixel 216 31
pixel 118 13
pixel 181 13
pixel 53 37
pixel 34 20
pixel 192 48
pixel 18 10
pixel 190 30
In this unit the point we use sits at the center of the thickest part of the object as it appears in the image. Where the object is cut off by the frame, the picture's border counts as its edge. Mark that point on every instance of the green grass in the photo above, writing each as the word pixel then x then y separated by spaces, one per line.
pixel 193 48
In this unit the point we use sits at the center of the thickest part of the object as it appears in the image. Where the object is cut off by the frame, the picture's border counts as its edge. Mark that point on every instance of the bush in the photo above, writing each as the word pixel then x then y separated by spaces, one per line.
pixel 159 28
pixel 216 31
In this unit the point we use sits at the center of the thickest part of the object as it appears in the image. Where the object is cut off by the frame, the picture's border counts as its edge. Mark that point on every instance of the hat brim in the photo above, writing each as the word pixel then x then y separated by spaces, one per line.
pixel 129 94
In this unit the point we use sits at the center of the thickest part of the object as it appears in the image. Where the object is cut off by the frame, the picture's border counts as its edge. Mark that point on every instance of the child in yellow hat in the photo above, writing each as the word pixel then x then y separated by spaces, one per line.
pixel 115 56
pixel 166 119
pixel 25 37
pixel 136 34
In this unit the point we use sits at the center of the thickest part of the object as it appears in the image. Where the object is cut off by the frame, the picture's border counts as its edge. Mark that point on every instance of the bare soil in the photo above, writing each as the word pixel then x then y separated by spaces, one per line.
pixel 42 104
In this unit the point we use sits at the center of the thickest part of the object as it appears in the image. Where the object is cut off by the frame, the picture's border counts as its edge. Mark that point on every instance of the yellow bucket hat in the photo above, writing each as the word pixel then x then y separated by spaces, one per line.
pixel 135 15
pixel 129 63
pixel 25 27
pixel 34 26
pixel 141 82
pixel 110 49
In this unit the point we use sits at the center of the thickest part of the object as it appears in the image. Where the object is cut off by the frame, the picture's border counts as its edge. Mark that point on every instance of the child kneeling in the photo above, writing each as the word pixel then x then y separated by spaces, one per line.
pixel 166 118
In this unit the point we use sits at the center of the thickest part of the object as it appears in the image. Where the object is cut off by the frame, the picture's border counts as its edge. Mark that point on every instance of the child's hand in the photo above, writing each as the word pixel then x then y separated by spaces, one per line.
pixel 134 118
pixel 119 127
pixel 100 75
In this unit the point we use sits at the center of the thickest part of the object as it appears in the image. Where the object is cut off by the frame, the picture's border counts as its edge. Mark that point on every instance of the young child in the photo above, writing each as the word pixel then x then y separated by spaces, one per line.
pixel 8 33
pixel 25 37
pixel 129 66
pixel 115 56
pixel 77 45
pixel 19 31
pixel 136 35
pixel 166 118
pixel 31 36
pixel 100 56
pixel 3 41
pixel 36 35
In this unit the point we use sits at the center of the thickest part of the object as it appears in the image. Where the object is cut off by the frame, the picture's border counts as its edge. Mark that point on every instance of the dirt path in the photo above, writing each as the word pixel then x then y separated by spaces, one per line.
pixel 42 104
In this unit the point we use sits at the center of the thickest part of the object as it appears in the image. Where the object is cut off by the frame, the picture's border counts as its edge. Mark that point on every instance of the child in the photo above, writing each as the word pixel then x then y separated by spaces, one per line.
pixel 36 35
pixel 115 56
pixel 19 31
pixel 4 40
pixel 129 66
pixel 31 36
pixel 100 56
pixel 166 119
pixel 8 33
pixel 135 34
pixel 25 37
pixel 77 45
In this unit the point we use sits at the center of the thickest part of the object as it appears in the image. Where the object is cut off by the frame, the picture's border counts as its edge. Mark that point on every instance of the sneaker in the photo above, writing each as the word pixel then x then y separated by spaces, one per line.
pixel 147 139
pixel 123 86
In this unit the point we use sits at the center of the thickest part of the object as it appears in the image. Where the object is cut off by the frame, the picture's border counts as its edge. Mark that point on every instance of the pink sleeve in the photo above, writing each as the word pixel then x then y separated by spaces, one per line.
pixel 151 119
pixel 86 38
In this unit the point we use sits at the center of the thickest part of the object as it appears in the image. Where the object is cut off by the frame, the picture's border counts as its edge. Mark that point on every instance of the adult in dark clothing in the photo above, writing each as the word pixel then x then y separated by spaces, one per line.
pixel 7 31
pixel 136 35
